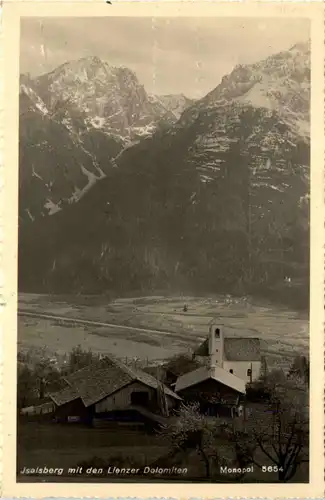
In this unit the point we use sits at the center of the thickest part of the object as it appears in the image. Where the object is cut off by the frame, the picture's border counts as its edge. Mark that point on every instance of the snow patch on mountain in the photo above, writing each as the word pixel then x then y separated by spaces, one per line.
pixel 35 174
pixel 97 122
pixel 145 131
pixel 37 101
pixel 91 181
pixel 32 218
pixel 52 207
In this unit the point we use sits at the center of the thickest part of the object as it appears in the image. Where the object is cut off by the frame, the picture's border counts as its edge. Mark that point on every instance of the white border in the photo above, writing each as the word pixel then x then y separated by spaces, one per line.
pixel 12 12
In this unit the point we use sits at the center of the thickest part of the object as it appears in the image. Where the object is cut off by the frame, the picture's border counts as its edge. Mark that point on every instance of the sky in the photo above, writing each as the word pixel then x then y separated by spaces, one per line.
pixel 169 55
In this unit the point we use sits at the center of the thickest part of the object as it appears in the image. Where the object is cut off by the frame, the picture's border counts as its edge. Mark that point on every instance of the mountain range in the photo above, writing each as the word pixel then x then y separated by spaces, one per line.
pixel 172 194
pixel 73 122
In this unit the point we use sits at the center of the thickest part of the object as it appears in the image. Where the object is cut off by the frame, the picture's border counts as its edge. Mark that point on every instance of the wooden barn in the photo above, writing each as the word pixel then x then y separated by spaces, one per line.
pixel 218 392
pixel 112 391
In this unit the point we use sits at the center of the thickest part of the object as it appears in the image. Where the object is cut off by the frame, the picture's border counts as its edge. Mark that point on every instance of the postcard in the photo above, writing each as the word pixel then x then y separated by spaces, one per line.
pixel 162 256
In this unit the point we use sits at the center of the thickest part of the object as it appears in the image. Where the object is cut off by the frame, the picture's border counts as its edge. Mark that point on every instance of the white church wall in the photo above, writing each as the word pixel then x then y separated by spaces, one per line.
pixel 240 369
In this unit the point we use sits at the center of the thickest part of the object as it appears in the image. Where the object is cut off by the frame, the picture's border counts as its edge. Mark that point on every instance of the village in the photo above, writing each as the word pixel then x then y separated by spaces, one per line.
pixel 109 386
pixel 223 389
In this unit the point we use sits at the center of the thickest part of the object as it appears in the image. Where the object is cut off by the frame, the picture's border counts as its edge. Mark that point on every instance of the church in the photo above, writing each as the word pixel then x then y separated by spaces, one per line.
pixel 240 356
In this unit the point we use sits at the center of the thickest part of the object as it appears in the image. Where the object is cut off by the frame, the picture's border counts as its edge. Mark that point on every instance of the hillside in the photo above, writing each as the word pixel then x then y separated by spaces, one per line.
pixel 217 202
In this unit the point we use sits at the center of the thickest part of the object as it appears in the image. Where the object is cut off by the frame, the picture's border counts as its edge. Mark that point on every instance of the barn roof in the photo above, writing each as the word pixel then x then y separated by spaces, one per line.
pixel 148 379
pixel 64 396
pixel 217 373
pixel 235 349
pixel 102 378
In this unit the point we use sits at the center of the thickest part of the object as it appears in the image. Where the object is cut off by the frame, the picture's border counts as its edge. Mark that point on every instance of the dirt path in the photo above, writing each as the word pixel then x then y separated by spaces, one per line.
pixel 65 319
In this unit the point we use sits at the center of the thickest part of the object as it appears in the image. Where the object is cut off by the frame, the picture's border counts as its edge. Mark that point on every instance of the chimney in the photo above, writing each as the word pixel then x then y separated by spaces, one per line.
pixel 216 347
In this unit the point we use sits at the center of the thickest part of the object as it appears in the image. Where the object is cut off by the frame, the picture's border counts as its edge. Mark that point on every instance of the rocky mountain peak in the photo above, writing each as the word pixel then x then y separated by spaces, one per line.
pixel 111 98
pixel 280 83
pixel 302 47
pixel 176 103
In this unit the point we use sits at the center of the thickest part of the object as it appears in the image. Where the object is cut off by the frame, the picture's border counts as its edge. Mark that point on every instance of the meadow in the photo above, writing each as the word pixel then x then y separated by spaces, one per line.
pixel 167 328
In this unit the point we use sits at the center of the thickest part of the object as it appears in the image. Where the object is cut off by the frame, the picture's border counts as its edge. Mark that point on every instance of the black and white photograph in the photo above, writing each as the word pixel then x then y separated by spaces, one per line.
pixel 164 250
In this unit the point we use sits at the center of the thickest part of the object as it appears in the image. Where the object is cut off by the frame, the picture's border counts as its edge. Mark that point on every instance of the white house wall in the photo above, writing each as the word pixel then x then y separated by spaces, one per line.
pixel 240 368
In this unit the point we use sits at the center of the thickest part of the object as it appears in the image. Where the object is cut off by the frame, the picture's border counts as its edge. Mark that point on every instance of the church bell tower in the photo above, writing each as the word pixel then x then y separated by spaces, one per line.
pixel 216 345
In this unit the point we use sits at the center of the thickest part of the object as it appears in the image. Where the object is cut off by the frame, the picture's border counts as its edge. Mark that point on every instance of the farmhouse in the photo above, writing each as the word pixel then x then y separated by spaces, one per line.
pixel 237 355
pixel 110 390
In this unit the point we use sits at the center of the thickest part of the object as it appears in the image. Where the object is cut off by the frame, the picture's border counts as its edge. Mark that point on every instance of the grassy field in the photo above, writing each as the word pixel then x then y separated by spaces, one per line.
pixel 55 445
pixel 65 446
pixel 284 331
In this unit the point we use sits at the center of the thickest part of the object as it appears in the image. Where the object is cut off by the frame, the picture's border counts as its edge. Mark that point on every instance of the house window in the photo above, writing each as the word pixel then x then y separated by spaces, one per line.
pixel 231 370
pixel 217 332
pixel 140 398
pixel 249 372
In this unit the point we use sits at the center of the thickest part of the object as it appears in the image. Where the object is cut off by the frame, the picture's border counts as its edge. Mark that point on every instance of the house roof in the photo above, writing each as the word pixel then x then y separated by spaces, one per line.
pixel 235 349
pixel 102 378
pixel 216 373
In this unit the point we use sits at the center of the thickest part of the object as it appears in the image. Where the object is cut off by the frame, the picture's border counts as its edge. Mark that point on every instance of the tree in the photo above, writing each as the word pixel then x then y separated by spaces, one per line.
pixel 26 385
pixel 278 432
pixel 300 369
pixel 190 432
pixel 47 376
pixel 176 366
pixel 194 432
pixel 260 389
pixel 80 358
pixel 35 382
pixel 180 364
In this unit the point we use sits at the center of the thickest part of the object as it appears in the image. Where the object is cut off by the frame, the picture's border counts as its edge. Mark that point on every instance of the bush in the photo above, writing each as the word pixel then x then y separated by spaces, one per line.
pixel 182 363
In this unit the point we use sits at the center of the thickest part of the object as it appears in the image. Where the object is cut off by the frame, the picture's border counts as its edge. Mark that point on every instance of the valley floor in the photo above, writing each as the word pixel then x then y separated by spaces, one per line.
pixel 156 327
